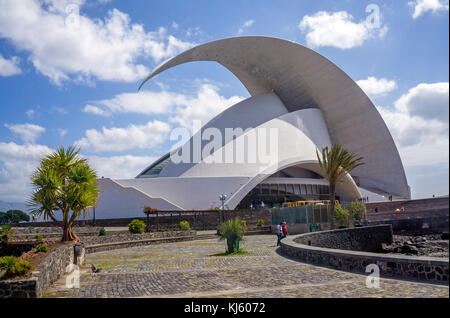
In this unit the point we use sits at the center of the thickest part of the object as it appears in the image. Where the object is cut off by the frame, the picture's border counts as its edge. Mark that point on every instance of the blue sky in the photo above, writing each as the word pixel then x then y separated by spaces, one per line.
pixel 69 72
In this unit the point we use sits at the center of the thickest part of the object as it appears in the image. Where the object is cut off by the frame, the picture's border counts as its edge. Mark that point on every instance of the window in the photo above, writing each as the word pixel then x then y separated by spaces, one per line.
pixel 274 189
pixel 156 168
pixel 265 188
pixel 290 189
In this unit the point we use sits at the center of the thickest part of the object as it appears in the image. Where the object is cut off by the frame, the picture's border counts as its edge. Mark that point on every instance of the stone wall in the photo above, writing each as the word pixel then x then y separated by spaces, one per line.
pixel 421 205
pixel 367 239
pixel 53 266
pixel 126 236
pixel 48 271
pixel 417 226
pixel 430 269
pixel 26 288
pixel 127 244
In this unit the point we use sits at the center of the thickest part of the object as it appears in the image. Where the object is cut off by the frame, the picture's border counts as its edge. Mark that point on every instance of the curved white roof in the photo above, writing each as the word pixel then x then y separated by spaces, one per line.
pixel 304 79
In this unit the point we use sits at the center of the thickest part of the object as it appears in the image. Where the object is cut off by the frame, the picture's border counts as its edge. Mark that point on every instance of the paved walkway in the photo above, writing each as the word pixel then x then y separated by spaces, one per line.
pixel 188 269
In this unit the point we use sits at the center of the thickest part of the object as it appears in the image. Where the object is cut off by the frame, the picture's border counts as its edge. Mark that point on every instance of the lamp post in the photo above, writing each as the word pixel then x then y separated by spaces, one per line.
pixel 222 198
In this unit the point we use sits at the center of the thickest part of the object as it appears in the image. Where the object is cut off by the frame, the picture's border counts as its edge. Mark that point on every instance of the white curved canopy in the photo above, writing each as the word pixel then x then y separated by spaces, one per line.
pixel 303 79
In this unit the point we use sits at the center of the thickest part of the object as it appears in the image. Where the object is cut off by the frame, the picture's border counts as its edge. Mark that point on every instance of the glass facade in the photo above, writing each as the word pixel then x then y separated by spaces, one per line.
pixel 275 194
pixel 156 168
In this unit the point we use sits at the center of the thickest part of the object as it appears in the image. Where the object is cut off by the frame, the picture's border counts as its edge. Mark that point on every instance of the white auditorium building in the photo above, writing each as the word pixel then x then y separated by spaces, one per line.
pixel 300 102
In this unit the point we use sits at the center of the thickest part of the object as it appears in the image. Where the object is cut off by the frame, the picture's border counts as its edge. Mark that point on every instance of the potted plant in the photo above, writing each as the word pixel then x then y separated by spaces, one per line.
pixel 232 231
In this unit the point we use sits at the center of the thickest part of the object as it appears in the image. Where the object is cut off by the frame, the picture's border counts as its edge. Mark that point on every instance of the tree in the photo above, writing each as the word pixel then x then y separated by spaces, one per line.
pixel 17 216
pixel 64 183
pixel 336 163
pixel 3 218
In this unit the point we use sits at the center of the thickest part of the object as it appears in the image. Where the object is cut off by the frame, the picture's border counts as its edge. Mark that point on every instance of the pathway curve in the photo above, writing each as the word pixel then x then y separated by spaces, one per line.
pixel 188 269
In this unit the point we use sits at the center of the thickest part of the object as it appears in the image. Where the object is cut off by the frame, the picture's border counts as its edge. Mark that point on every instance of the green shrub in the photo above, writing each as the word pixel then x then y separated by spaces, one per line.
pixel 102 232
pixel 357 210
pixel 136 226
pixel 184 225
pixel 38 237
pixel 341 216
pixel 232 231
pixel 6 233
pixel 14 266
pixel 260 222
pixel 41 248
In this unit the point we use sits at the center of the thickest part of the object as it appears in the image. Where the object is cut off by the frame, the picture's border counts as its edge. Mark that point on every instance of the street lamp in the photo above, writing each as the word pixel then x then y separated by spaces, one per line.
pixel 222 198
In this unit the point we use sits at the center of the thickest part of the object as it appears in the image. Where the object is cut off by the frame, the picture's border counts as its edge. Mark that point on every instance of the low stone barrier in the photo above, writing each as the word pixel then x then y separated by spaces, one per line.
pixel 367 238
pixel 126 244
pixel 48 271
pixel 127 236
pixel 431 269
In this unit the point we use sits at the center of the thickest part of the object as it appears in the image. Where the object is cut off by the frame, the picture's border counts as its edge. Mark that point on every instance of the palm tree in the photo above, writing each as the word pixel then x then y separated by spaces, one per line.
pixel 64 183
pixel 232 231
pixel 336 163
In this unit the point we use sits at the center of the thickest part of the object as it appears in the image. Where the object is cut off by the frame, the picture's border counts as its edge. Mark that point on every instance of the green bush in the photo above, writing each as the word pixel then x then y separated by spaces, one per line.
pixel 6 233
pixel 38 237
pixel 136 226
pixel 232 231
pixel 41 248
pixel 184 225
pixel 102 232
pixel 260 222
pixel 14 266
pixel 357 210
pixel 341 216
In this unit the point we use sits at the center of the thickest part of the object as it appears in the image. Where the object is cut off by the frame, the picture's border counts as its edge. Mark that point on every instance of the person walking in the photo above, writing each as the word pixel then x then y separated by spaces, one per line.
pixel 279 233
pixel 284 229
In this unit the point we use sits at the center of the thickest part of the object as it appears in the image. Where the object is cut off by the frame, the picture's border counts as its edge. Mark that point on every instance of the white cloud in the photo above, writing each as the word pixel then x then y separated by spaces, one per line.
pixel 422 6
pixel 119 139
pixel 246 25
pixel 143 102
pixel 95 110
pixel 377 87
pixel 419 124
pixel 27 132
pixel 30 113
pixel 9 67
pixel 60 110
pixel 429 101
pixel 119 167
pixel 62 132
pixel 18 163
pixel 337 30
pixel 207 104
pixel 65 44
pixel 183 109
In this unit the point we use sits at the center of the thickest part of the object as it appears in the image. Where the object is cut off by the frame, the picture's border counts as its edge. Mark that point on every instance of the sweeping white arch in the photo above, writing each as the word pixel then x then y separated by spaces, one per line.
pixel 303 79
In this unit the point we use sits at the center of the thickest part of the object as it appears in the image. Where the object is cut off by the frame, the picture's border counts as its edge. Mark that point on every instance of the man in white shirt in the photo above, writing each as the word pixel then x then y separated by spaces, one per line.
pixel 279 233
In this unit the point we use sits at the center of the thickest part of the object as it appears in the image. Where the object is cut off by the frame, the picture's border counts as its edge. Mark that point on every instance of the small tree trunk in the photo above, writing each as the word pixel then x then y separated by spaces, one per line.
pixel 69 234
pixel 332 203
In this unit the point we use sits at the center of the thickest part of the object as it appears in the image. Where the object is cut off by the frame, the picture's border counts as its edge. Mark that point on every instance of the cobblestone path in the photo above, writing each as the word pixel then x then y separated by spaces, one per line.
pixel 189 269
